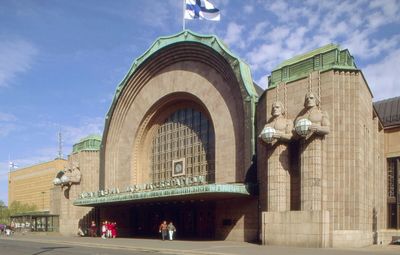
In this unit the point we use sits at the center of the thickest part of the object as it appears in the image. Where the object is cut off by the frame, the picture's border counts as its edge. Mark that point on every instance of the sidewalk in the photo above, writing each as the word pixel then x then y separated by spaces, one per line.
pixel 196 247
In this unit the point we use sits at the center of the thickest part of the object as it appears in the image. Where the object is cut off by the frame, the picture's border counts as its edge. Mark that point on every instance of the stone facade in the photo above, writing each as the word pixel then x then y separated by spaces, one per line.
pixel 70 216
pixel 350 160
pixel 392 142
pixel 211 84
pixel 32 185
pixel 312 143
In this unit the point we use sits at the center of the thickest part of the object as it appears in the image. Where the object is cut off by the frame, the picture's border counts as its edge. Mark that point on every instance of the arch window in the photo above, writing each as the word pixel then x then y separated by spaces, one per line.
pixel 186 137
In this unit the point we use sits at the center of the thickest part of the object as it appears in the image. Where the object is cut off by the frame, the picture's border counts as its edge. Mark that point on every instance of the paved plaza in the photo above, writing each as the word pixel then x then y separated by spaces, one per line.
pixel 51 243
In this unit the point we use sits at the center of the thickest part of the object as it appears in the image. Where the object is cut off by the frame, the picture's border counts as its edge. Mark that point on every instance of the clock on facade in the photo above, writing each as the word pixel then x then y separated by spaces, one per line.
pixel 178 167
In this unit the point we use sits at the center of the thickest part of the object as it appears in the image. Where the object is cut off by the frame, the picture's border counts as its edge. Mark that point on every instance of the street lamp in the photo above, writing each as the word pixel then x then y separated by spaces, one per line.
pixel 43 200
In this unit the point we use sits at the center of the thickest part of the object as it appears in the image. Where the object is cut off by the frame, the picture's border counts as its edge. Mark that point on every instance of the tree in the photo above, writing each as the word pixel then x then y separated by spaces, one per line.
pixel 4 213
pixel 19 207
pixel 16 207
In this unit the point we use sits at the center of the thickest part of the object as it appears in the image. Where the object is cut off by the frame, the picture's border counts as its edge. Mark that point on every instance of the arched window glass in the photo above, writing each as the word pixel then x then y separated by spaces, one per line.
pixel 183 146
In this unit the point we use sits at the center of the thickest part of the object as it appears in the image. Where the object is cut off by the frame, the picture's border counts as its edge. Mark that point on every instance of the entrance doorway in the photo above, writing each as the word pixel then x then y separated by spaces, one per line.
pixel 193 220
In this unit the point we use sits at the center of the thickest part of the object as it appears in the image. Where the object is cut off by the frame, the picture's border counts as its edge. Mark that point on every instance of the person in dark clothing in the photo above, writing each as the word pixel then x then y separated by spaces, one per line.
pixel 163 229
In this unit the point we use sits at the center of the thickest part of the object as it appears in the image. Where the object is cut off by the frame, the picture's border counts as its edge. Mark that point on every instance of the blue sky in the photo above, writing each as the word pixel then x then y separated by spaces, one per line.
pixel 61 61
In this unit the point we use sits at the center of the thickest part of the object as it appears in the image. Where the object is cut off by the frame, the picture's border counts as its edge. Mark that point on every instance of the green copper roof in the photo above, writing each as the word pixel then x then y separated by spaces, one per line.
pixel 240 68
pixel 321 59
pixel 232 189
pixel 89 143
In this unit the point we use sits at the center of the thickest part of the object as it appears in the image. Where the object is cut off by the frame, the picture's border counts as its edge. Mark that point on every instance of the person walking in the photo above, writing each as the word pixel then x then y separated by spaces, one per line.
pixel 163 229
pixel 171 231
pixel 104 230
pixel 93 229
pixel 113 229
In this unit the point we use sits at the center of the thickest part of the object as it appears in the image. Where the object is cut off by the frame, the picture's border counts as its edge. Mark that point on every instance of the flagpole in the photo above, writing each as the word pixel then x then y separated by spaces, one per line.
pixel 183 16
pixel 9 162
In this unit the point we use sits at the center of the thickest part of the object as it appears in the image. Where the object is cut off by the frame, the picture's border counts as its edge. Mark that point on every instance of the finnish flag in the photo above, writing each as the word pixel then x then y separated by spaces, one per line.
pixel 12 165
pixel 201 9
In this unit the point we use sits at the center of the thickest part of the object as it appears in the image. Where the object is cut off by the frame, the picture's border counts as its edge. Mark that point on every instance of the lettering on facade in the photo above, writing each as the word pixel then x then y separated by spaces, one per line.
pixel 177 182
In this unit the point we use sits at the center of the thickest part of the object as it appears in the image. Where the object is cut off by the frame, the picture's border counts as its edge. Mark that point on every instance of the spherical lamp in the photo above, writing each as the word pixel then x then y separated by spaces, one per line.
pixel 64 179
pixel 56 181
pixel 267 134
pixel 302 127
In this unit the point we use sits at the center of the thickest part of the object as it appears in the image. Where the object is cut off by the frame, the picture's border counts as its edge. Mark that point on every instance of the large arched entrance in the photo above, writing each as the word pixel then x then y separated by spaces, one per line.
pixel 182 147
pixel 178 143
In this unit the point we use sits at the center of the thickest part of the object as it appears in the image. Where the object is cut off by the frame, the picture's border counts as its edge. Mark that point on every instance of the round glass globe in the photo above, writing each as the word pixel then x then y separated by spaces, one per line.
pixel 302 127
pixel 56 181
pixel 64 179
pixel 267 134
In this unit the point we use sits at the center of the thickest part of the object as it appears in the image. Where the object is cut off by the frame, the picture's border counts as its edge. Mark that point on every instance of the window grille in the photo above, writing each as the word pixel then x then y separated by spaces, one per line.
pixel 188 134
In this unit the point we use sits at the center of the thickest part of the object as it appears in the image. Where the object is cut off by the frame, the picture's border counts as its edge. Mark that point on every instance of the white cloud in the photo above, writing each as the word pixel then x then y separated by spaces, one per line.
pixel 233 35
pixel 72 134
pixel 6 117
pixel 16 57
pixel 263 82
pixel 376 20
pixel 6 124
pixel 258 31
pixel 382 77
pixel 277 6
pixel 389 8
pixel 267 56
pixel 358 43
pixel 160 16
pixel 248 9
pixel 296 39
pixel 278 33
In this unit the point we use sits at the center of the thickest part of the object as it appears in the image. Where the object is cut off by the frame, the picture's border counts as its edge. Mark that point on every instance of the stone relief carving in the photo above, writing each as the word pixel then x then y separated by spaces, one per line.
pixel 312 120
pixel 70 175
pixel 278 128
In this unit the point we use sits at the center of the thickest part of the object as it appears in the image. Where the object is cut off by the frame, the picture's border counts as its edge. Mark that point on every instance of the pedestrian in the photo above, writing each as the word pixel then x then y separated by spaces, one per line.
pixel 104 230
pixel 163 229
pixel 108 226
pixel 93 229
pixel 8 231
pixel 171 231
pixel 113 229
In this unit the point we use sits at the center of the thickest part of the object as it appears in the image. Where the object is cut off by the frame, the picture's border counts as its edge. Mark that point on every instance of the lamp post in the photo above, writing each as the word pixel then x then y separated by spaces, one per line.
pixel 43 200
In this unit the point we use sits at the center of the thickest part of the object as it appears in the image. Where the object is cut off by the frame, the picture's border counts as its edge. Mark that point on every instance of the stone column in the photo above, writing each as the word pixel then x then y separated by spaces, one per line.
pixel 312 159
pixel 278 184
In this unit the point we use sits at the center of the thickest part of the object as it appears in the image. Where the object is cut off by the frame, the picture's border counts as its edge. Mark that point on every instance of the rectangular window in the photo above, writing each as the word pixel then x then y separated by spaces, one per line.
pixel 393 194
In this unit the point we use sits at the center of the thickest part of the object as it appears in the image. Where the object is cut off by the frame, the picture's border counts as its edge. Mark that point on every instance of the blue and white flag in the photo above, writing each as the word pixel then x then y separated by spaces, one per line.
pixel 12 165
pixel 201 9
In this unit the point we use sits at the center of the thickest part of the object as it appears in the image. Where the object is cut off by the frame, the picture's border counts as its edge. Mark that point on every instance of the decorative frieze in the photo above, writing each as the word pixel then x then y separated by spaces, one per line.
pixel 93 198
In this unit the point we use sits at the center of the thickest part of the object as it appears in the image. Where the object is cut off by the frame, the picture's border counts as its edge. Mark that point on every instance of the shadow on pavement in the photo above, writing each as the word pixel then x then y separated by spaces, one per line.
pixel 47 249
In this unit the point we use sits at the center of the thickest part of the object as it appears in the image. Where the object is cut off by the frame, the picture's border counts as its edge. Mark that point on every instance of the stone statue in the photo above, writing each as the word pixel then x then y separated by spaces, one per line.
pixel 278 128
pixel 74 174
pixel 312 120
pixel 69 176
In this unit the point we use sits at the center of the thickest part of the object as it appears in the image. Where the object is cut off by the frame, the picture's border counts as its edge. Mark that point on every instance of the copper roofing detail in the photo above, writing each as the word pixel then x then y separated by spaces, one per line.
pixel 321 59
pixel 389 111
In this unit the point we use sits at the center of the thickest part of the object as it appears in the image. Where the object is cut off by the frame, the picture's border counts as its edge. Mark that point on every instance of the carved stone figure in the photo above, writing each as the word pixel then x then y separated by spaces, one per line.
pixel 278 128
pixel 312 122
pixel 73 174
pixel 69 176
pixel 318 120
pixel 276 185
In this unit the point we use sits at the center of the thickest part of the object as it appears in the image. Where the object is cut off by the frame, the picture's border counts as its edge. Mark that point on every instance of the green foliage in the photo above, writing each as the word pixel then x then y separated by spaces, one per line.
pixel 4 213
pixel 16 207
